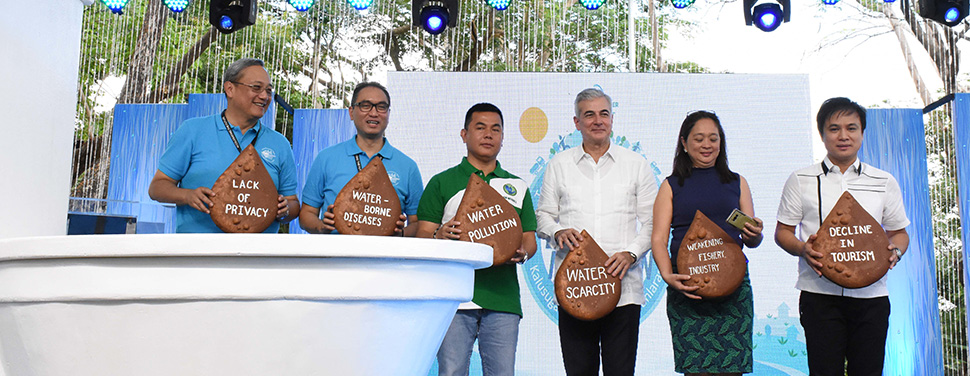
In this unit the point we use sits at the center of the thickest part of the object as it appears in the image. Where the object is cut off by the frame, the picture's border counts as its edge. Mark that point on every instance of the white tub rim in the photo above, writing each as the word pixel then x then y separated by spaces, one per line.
pixel 243 245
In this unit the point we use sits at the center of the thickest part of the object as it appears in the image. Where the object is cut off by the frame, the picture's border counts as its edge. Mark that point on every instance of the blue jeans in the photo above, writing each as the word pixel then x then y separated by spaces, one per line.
pixel 497 334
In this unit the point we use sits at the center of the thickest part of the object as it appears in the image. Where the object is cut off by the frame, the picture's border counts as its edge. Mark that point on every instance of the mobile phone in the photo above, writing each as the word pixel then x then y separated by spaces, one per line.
pixel 738 219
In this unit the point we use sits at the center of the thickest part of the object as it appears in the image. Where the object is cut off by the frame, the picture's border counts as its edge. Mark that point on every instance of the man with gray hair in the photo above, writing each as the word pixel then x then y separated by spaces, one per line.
pixel 608 191
pixel 202 148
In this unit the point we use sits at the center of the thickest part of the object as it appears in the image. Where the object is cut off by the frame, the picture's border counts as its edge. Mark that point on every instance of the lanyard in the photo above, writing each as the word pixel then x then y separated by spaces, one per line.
pixel 357 158
pixel 232 135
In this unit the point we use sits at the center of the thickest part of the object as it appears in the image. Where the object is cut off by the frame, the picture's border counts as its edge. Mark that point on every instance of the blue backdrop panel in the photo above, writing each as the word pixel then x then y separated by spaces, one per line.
pixel 139 136
pixel 209 104
pixel 961 129
pixel 895 141
pixel 315 130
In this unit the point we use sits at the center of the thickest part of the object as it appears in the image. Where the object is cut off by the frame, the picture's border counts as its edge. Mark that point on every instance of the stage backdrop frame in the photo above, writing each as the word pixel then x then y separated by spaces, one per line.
pixel 766 120
pixel 895 141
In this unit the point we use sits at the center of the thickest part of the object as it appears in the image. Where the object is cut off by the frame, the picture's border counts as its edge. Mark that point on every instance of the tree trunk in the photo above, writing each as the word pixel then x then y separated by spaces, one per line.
pixel 393 45
pixel 143 58
pixel 655 36
pixel 938 41
pixel 478 46
pixel 314 88
pixel 900 28
pixel 169 86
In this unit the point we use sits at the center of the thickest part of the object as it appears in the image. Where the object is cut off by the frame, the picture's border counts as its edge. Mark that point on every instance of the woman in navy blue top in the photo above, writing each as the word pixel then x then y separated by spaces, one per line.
pixel 709 336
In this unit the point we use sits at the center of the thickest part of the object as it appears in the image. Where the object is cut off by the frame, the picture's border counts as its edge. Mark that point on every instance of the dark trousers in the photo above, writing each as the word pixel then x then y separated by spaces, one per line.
pixel 617 332
pixel 840 329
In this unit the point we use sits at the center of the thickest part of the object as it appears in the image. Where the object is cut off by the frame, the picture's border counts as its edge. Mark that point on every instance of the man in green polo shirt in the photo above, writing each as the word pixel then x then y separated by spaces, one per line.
pixel 495 310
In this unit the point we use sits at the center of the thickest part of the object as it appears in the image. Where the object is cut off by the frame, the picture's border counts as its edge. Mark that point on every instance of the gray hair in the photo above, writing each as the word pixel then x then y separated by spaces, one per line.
pixel 589 94
pixel 235 69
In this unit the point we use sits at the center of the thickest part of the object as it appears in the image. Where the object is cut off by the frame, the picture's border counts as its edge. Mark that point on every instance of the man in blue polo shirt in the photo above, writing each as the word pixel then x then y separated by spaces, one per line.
pixel 336 165
pixel 202 148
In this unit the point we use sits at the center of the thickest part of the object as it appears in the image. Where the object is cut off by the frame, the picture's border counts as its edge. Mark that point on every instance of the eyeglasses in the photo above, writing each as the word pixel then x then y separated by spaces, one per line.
pixel 366 106
pixel 257 88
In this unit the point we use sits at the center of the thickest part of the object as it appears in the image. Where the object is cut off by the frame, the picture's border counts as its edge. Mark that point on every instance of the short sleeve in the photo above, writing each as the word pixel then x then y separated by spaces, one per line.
pixel 528 215
pixel 894 213
pixel 790 206
pixel 313 187
pixel 415 191
pixel 431 206
pixel 287 172
pixel 174 162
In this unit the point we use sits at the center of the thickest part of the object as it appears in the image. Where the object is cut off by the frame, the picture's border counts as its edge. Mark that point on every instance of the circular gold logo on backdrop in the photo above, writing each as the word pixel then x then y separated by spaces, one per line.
pixel 533 124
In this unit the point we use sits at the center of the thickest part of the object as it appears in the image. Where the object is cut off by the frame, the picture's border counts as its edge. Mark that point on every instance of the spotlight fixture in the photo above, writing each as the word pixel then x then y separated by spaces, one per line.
pixel 302 5
pixel 116 6
pixel 499 4
pixel 231 15
pixel 434 15
pixel 592 4
pixel 176 6
pixel 829 2
pixel 947 12
pixel 360 4
pixel 767 15
pixel 681 4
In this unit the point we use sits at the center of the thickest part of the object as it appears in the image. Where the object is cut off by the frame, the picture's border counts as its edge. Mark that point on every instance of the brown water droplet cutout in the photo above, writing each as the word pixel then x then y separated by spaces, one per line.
pixel 859 259
pixel 724 265
pixel 260 206
pixel 378 208
pixel 498 227
pixel 588 273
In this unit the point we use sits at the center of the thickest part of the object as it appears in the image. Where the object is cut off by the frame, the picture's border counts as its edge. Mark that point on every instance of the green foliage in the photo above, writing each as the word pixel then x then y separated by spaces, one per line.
pixel 331 41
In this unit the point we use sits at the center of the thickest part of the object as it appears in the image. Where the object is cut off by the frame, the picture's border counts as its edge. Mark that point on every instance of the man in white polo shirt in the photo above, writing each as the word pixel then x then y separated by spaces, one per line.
pixel 845 329
pixel 606 190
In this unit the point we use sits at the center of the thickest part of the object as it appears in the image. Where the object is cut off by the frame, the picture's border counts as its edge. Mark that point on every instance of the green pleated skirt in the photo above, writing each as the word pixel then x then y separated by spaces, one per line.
pixel 712 336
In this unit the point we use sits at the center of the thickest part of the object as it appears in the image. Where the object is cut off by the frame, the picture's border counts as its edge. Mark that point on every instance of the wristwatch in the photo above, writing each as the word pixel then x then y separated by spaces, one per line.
pixel 634 256
pixel 899 253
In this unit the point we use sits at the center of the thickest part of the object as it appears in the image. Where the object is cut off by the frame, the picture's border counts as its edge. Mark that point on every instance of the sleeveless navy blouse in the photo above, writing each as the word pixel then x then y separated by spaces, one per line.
pixel 702 191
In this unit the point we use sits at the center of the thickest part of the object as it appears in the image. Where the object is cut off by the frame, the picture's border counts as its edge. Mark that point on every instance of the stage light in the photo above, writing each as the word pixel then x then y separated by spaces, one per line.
pixel 225 23
pixel 176 6
pixel 767 15
pixel 951 14
pixel 302 5
pixel 592 4
pixel 766 19
pixel 435 19
pixel 681 4
pixel 829 2
pixel 499 4
pixel 360 4
pixel 115 5
pixel 434 16
pixel 947 12
pixel 231 15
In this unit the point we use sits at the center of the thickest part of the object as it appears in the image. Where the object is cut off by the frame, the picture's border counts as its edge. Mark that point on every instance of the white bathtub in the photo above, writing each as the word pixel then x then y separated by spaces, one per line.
pixel 237 304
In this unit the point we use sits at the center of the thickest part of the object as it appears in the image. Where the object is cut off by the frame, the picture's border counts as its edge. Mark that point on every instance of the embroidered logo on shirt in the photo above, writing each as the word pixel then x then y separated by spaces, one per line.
pixel 268 154
pixel 394 177
pixel 510 189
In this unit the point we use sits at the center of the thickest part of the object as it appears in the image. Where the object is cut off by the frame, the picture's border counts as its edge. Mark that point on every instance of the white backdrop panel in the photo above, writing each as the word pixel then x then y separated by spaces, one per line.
pixel 768 129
